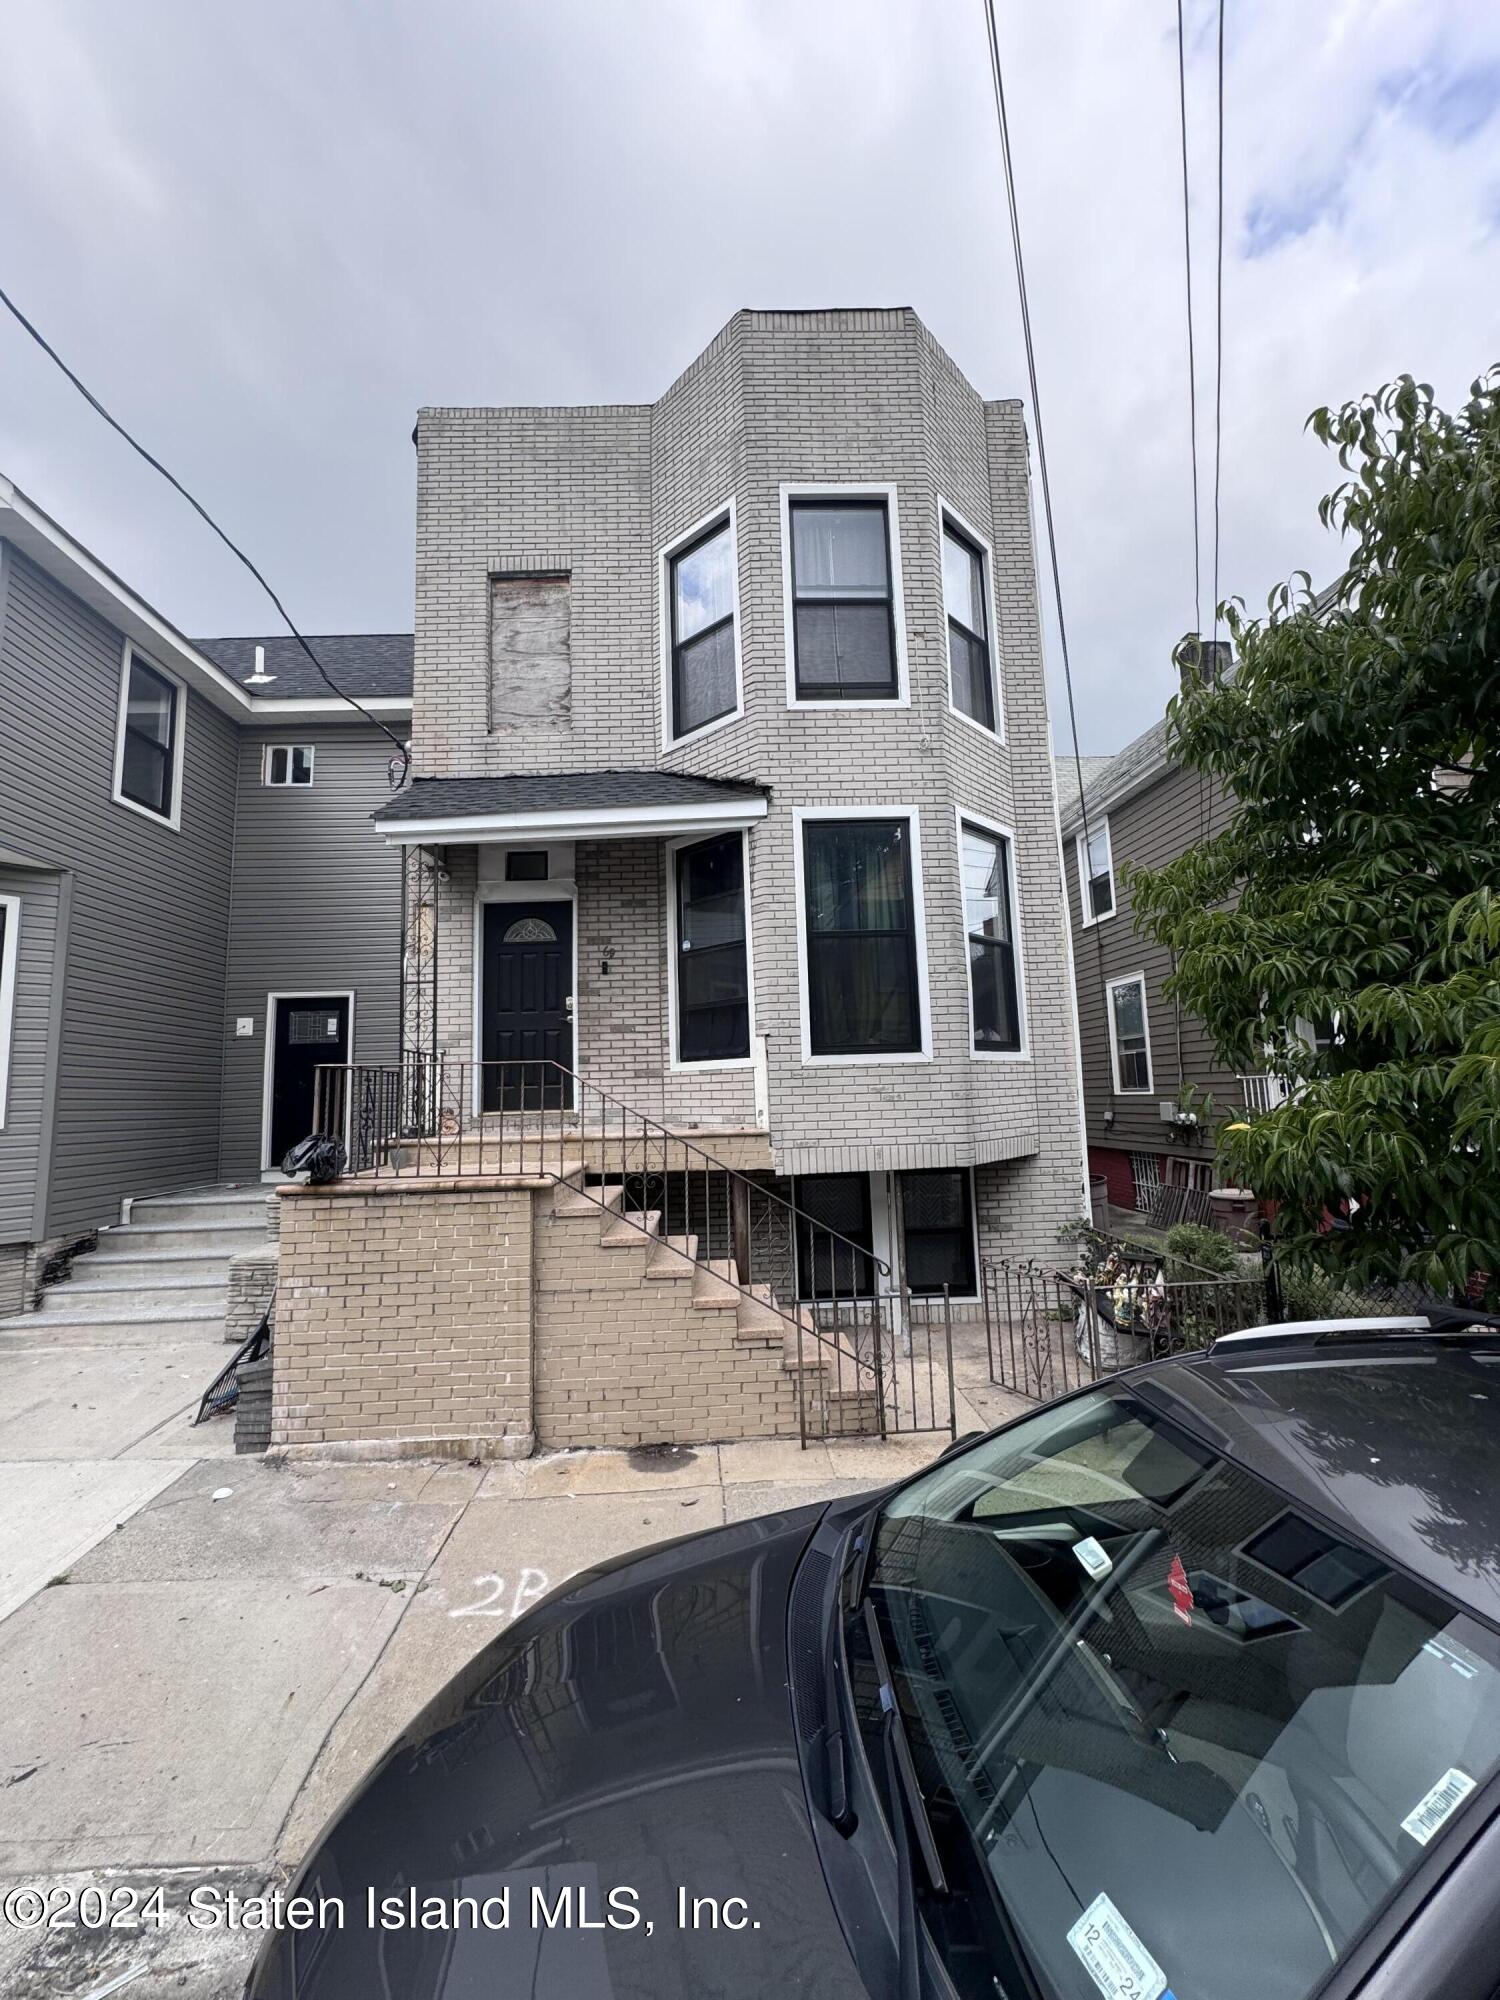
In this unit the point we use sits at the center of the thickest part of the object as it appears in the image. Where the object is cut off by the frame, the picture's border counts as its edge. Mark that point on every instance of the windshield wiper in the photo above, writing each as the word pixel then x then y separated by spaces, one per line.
pixel 908 1814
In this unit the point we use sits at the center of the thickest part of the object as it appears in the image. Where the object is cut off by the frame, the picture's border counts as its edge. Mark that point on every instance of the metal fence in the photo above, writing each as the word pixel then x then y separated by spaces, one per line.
pixel 1049 1330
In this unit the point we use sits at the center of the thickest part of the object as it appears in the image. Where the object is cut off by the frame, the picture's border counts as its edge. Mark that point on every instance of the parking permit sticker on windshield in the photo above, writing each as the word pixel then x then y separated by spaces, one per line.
pixel 1428 1814
pixel 1114 1957
pixel 1094 1557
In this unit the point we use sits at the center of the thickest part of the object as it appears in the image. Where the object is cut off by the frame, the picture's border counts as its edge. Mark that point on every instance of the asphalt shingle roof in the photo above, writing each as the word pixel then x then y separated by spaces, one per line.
pixel 363 663
pixel 557 791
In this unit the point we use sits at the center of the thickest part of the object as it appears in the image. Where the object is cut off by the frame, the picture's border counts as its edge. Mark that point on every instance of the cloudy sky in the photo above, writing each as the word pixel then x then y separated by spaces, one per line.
pixel 266 235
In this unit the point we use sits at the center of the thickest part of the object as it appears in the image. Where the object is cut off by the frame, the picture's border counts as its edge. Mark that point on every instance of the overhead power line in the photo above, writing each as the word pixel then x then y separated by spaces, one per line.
pixel 997 77
pixel 199 509
pixel 1219 327
pixel 1187 258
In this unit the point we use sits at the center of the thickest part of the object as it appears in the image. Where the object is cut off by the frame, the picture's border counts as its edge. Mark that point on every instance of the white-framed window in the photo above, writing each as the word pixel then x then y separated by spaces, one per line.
pixel 702 673
pixel 969 609
pixel 939 1230
pixel 1096 874
pixel 711 991
pixel 861 940
pixel 287 764
pixel 844 611
pixel 1130 1034
pixel 992 938
pixel 10 951
pixel 149 739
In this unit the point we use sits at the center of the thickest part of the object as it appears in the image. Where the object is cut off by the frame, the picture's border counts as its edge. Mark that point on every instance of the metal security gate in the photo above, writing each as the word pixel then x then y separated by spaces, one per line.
pixel 1048 1331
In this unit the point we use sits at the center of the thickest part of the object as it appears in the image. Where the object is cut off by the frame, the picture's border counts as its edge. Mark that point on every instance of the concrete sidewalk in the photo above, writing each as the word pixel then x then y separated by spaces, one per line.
pixel 202 1654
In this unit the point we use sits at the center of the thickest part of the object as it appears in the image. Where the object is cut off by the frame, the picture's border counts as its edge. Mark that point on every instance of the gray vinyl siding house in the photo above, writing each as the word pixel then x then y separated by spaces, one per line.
pixel 135 940
pixel 1146 809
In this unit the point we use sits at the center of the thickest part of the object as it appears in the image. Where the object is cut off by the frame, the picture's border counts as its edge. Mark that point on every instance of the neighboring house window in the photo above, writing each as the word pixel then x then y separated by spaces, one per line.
pixel 1129 1035
pixel 713 972
pixel 288 764
pixel 993 987
pixel 1096 874
pixel 971 675
pixel 826 1267
pixel 705 682
pixel 863 987
pixel 10 946
pixel 843 608
pixel 937 1227
pixel 148 758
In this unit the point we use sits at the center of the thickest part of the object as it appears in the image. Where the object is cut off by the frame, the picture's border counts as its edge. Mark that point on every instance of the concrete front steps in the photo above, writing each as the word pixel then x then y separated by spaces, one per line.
pixel 836 1388
pixel 164 1271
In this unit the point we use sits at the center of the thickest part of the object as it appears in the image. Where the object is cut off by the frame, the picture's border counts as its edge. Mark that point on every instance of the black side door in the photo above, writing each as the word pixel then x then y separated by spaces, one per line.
pixel 527 1006
pixel 308 1030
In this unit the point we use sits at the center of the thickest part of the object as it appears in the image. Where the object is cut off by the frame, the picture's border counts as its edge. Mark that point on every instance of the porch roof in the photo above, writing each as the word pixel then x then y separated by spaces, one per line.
pixel 566 805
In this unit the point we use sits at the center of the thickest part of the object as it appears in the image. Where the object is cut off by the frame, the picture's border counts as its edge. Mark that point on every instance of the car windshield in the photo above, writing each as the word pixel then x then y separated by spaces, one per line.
pixel 1174 1735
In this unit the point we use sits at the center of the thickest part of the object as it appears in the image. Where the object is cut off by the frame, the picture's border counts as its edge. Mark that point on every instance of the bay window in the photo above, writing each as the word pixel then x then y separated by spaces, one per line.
pixel 705 677
pixel 863 987
pixel 994 992
pixel 712 971
pixel 971 674
pixel 843 606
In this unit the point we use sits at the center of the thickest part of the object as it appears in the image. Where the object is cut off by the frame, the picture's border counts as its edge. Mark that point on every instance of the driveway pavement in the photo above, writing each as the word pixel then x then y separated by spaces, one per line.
pixel 200 1654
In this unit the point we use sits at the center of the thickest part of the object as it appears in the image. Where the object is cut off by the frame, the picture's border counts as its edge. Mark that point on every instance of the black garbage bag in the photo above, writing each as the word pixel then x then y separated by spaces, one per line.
pixel 319 1157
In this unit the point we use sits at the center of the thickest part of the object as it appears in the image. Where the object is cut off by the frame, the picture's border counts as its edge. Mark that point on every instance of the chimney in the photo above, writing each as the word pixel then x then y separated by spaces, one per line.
pixel 1200 662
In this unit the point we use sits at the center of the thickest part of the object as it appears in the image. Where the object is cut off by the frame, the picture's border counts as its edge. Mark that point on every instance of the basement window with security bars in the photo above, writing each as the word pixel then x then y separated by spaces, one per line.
pixel 937 1230
pixel 843 611
pixel 835 1237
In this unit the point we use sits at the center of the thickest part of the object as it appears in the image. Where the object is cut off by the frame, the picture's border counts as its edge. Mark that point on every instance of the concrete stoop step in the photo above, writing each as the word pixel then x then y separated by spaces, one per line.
pixel 167 1267
pixel 840 1384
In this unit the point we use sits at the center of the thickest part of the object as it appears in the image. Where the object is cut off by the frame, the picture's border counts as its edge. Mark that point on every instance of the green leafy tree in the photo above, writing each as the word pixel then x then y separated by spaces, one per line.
pixel 1357 881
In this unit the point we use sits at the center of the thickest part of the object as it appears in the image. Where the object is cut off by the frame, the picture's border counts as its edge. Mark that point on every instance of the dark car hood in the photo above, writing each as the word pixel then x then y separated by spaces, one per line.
pixel 634 1732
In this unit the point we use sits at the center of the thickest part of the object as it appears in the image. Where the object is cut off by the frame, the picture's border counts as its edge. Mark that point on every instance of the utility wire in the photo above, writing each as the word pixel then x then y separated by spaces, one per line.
pixel 1187 257
pixel 1219 327
pixel 1046 484
pixel 199 509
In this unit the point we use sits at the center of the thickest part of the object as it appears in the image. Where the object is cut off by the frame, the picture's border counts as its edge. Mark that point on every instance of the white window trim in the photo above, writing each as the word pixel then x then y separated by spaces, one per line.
pixel 285 784
pixel 10 959
pixel 945 514
pixel 1087 919
pixel 173 819
pixel 725 511
pixel 677 1067
pixel 800 816
pixel 961 814
pixel 558 889
pixel 268 1067
pixel 1111 987
pixel 833 489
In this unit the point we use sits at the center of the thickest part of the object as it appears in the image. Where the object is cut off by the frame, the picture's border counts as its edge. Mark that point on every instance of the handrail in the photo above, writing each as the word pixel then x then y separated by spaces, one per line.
pixel 712 1162
pixel 413 1104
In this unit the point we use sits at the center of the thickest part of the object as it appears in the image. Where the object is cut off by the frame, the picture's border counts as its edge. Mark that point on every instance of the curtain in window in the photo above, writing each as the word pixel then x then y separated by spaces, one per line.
pixel 841 581
pixel 713 982
pixel 861 938
pixel 992 951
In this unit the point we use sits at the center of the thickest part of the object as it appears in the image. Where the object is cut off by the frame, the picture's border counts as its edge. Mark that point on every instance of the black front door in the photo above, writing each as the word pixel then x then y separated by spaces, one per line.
pixel 307 1031
pixel 528 1005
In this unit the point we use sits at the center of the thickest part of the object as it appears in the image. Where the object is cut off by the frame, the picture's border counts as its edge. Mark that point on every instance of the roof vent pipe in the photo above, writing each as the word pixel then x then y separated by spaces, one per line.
pixel 260 677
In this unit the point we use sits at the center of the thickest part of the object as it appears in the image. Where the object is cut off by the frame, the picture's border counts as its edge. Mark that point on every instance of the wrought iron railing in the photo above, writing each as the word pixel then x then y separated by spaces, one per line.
pixel 1048 1330
pixel 868 1357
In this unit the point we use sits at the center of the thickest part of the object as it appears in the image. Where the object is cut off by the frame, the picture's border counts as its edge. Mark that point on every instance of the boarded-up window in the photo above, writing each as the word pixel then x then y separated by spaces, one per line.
pixel 531 667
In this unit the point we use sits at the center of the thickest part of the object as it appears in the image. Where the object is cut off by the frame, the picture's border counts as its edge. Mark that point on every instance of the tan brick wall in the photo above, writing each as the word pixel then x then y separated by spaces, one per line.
pixel 405 1316
pixel 623 1359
